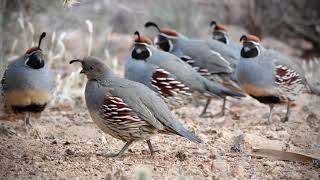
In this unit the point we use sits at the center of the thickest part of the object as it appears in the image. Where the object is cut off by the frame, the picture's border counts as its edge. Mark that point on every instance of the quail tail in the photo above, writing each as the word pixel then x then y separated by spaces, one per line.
pixel 220 90
pixel 315 90
pixel 187 134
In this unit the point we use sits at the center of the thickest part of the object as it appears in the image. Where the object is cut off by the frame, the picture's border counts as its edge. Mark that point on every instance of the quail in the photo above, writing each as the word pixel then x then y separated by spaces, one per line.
pixel 125 109
pixel 210 59
pixel 27 84
pixel 220 33
pixel 269 76
pixel 168 75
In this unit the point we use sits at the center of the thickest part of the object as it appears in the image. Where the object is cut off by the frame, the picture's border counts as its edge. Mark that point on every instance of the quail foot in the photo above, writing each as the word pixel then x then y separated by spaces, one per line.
pixel 269 76
pixel 125 109
pixel 27 84
pixel 167 74
pixel 212 59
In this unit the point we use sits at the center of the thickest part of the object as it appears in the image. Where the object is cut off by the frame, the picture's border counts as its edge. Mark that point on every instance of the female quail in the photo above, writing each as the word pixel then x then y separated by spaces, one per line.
pixel 125 109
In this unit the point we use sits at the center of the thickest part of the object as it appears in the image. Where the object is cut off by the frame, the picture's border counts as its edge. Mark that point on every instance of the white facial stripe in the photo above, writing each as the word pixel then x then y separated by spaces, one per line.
pixel 167 36
pixel 26 61
pixel 142 43
pixel 255 43
pixel 170 45
pixel 150 52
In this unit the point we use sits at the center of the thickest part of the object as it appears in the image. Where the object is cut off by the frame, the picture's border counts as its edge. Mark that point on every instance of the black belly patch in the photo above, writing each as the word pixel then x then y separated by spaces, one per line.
pixel 268 99
pixel 33 108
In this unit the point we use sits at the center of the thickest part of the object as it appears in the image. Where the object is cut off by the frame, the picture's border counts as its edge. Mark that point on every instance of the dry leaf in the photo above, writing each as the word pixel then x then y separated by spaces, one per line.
pixel 284 155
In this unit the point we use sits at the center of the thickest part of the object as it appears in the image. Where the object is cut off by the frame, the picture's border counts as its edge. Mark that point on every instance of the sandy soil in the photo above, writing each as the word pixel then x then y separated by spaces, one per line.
pixel 73 147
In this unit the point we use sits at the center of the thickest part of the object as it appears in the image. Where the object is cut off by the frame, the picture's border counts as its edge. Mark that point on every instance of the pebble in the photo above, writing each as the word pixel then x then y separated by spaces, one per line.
pixel 269 163
pixel 69 152
pixel 238 172
pixel 221 165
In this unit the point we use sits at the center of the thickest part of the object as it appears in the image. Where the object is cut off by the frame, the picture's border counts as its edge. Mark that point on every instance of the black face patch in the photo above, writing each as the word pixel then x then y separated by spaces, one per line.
pixel 223 40
pixel 220 36
pixel 140 52
pixel 33 108
pixel 249 50
pixel 268 99
pixel 35 60
pixel 164 43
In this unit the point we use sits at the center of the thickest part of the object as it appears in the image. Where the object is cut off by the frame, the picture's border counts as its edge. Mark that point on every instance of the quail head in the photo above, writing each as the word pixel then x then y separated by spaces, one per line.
pixel 125 109
pixel 27 83
pixel 269 76
pixel 220 33
pixel 211 59
pixel 167 74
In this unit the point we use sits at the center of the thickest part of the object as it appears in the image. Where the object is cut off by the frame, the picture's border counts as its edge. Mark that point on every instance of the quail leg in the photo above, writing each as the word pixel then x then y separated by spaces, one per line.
pixel 286 118
pixel 223 109
pixel 204 111
pixel 29 128
pixel 152 151
pixel 27 123
pixel 270 114
pixel 120 153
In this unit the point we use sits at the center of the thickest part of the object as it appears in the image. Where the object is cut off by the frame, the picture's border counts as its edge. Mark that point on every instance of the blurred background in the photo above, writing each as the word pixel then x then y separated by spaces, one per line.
pixel 104 28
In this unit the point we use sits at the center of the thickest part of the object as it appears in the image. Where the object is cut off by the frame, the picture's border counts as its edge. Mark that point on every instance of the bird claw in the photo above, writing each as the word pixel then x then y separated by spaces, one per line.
pixel 210 115
pixel 111 155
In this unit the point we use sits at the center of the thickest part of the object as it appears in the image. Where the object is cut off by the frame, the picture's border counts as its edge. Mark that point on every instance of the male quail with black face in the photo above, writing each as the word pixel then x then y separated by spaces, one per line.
pixel 211 59
pixel 167 74
pixel 269 76
pixel 125 109
pixel 220 33
pixel 27 83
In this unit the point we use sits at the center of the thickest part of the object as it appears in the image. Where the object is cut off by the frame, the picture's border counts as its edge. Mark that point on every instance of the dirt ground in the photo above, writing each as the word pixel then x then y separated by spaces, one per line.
pixel 72 146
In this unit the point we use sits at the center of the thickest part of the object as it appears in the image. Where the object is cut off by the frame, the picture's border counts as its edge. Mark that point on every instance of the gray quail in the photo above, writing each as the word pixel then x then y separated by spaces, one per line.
pixel 27 84
pixel 269 76
pixel 167 74
pixel 211 59
pixel 125 109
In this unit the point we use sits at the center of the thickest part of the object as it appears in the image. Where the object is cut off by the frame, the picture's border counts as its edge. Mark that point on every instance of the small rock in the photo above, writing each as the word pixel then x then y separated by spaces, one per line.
pixel 144 151
pixel 181 156
pixel 103 140
pixel 212 156
pixel 66 143
pixel 221 165
pixel 276 172
pixel 69 152
pixel 268 163
pixel 281 163
pixel 238 172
